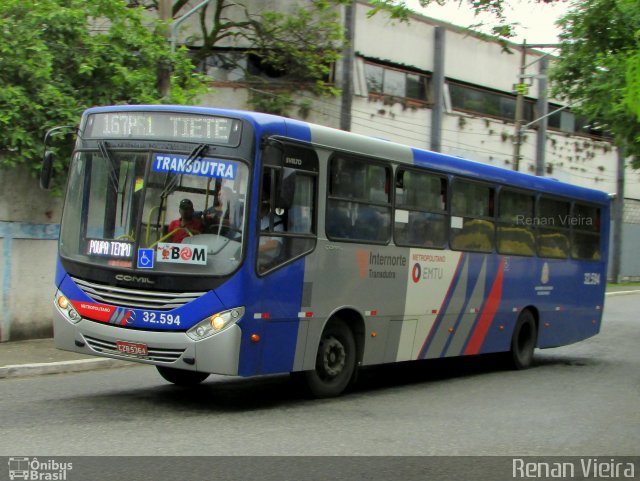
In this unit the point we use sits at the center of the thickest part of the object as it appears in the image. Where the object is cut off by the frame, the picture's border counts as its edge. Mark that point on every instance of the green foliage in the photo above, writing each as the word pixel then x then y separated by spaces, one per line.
pixel 632 94
pixel 295 47
pixel 301 45
pixel 58 57
pixel 598 67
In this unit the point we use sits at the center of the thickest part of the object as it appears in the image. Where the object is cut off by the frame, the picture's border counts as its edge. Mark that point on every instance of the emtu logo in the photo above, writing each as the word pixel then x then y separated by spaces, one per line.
pixel 363 263
pixel 416 273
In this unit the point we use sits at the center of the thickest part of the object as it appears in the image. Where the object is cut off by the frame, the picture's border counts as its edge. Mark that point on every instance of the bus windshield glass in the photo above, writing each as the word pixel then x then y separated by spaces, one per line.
pixel 167 212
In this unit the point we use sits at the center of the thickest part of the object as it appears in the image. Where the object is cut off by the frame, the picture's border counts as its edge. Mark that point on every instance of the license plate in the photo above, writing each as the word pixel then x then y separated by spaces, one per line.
pixel 132 348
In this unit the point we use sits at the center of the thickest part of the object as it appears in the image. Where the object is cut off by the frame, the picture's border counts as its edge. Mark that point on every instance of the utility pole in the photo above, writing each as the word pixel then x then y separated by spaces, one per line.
pixel 543 110
pixel 521 91
pixel 348 57
pixel 437 85
pixel 618 219
pixel 164 66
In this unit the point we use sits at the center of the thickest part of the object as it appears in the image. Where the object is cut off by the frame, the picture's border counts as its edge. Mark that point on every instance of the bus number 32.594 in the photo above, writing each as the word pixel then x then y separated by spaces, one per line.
pixel 168 319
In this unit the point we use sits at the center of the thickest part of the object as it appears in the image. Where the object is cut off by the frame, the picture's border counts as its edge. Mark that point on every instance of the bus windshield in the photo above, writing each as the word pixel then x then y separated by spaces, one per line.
pixel 173 213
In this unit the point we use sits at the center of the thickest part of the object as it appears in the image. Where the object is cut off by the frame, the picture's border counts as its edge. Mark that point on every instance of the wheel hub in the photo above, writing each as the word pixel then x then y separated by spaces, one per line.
pixel 334 357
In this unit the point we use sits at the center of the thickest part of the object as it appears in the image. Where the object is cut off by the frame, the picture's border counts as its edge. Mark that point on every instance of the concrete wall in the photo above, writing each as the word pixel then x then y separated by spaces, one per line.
pixel 29 229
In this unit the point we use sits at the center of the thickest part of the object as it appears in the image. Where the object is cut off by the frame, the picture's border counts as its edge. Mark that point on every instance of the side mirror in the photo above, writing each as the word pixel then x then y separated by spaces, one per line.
pixel 272 154
pixel 46 170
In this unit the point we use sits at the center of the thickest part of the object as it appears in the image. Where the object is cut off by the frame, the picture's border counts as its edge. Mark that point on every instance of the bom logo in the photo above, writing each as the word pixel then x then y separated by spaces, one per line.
pixel 183 253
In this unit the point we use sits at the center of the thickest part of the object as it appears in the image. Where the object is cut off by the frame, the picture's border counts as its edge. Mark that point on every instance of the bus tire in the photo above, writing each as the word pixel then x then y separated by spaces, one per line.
pixel 523 341
pixel 335 361
pixel 182 377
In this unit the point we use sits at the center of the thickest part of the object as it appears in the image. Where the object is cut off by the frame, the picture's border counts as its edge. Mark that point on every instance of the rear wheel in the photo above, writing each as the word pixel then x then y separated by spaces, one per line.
pixel 182 377
pixel 523 342
pixel 335 361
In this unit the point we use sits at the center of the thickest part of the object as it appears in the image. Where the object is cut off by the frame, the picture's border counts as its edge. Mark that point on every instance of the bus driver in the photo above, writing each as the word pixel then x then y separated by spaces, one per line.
pixel 186 225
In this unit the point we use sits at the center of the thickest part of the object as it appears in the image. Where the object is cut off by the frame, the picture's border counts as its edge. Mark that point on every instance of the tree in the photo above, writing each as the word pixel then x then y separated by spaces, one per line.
pixel 289 50
pixel 58 57
pixel 598 67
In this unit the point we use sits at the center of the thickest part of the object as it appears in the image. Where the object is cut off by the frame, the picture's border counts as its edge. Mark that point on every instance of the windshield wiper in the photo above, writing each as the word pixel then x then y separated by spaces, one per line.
pixel 196 153
pixel 102 145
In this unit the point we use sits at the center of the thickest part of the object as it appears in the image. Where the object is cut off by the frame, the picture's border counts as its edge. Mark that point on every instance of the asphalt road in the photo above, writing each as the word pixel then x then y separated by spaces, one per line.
pixel 577 400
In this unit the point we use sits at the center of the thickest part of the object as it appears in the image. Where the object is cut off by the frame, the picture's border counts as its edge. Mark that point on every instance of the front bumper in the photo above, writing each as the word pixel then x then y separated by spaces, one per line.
pixel 218 354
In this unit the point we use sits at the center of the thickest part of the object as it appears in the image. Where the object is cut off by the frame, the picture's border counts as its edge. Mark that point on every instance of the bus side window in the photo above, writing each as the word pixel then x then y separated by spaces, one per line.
pixel 420 219
pixel 358 203
pixel 553 233
pixel 586 232
pixel 472 221
pixel 515 220
pixel 287 228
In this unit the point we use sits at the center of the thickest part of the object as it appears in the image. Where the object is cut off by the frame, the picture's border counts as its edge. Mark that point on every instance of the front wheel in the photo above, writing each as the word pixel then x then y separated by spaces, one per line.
pixel 523 341
pixel 335 361
pixel 182 377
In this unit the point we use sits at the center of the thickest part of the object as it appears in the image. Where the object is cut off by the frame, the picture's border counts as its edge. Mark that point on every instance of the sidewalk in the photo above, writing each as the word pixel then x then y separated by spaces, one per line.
pixel 39 356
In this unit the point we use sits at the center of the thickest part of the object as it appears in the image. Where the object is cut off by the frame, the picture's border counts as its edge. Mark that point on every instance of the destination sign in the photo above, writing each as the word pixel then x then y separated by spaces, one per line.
pixel 109 248
pixel 163 126
pixel 177 164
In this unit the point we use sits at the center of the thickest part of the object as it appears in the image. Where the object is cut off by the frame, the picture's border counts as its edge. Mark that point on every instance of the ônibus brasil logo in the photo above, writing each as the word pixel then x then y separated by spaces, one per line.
pixel 34 469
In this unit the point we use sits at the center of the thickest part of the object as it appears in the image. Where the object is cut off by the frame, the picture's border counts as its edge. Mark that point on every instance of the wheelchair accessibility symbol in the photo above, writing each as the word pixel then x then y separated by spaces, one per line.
pixel 145 258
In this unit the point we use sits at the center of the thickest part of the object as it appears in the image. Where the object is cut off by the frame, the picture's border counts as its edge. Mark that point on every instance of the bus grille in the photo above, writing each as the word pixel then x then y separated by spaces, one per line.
pixel 155 353
pixel 137 299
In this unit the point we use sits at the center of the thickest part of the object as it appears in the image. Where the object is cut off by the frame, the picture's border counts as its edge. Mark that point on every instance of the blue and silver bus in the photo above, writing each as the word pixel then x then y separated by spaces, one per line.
pixel 204 240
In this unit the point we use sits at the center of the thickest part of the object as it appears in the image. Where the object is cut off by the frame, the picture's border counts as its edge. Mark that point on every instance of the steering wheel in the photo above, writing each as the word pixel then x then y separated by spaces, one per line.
pixel 224 229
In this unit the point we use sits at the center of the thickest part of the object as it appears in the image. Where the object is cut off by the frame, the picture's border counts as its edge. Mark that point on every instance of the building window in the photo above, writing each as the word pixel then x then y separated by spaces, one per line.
pixel 396 82
pixel 486 102
pixel 567 121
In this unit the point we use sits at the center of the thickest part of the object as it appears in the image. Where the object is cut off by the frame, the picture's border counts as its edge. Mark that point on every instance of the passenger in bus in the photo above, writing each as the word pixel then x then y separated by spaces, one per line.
pixel 187 225
pixel 270 247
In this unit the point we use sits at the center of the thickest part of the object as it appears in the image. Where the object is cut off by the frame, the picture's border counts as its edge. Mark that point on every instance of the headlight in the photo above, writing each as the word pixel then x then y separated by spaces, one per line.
pixel 65 307
pixel 215 323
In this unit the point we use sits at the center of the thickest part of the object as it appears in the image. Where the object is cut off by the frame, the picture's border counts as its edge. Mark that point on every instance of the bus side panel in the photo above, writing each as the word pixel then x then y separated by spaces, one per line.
pixel 575 309
pixel 281 294
pixel 472 311
pixel 272 304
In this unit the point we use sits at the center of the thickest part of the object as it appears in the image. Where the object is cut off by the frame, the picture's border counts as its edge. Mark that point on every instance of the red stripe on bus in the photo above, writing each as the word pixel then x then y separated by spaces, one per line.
pixel 488 313
pixel 441 312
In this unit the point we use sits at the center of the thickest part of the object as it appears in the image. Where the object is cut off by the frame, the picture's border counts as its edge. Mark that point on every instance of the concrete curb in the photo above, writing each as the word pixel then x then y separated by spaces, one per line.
pixel 38 369
pixel 622 293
